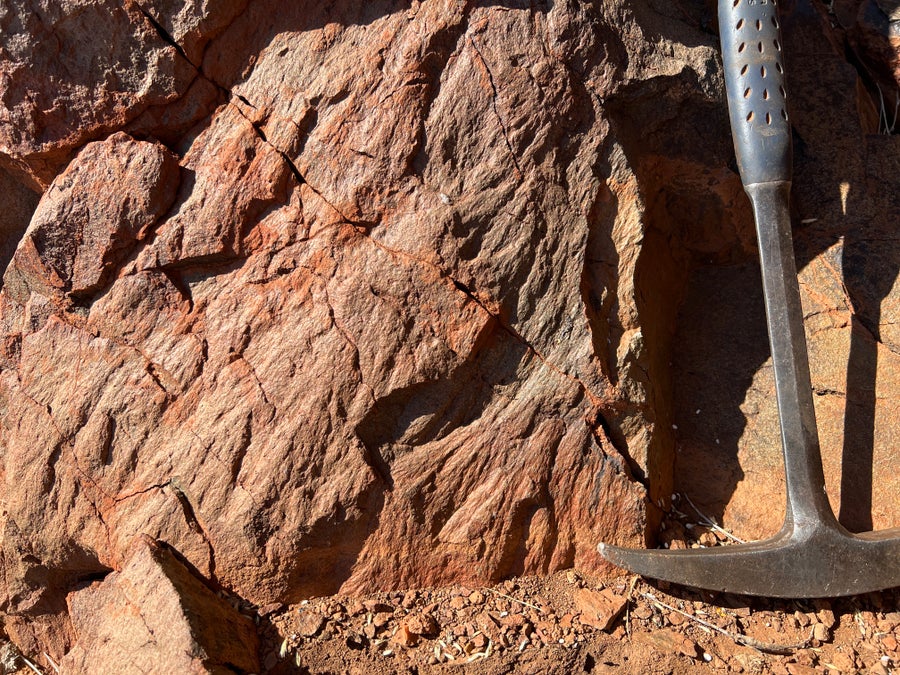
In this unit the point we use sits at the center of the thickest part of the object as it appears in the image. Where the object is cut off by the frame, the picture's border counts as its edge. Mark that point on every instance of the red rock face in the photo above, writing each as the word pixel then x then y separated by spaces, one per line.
pixel 345 296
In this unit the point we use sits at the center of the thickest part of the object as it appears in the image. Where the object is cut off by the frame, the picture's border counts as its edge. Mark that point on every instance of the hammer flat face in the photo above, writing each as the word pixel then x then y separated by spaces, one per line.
pixel 819 561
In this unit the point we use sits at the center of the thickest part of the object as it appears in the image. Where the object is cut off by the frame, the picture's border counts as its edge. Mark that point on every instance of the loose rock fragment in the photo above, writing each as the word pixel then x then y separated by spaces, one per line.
pixel 155 616
pixel 667 641
pixel 599 609
pixel 310 623
pixel 422 624
pixel 405 637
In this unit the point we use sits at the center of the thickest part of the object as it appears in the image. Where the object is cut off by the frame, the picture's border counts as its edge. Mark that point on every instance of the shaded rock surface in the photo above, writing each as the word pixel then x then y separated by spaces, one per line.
pixel 156 617
pixel 344 297
pixel 846 209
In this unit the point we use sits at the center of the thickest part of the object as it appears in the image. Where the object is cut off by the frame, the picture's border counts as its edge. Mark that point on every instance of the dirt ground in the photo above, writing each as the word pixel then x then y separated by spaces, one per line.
pixel 571 623
pixel 532 625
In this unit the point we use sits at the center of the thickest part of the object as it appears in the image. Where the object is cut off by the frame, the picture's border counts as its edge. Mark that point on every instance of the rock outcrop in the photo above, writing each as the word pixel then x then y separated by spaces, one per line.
pixel 350 296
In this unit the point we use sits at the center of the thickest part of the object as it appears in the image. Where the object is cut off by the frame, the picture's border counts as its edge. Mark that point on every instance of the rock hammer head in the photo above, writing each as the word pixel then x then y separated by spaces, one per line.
pixel 822 560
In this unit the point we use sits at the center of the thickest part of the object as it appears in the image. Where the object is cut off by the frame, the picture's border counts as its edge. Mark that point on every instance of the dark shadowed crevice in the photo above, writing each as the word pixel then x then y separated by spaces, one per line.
pixel 678 146
pixel 17 205
pixel 163 34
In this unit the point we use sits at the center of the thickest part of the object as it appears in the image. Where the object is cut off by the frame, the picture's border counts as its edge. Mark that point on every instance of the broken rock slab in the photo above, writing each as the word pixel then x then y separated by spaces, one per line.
pixel 599 609
pixel 155 616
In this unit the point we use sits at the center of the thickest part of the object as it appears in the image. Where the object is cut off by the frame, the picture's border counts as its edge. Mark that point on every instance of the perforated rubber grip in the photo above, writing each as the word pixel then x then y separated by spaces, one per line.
pixel 755 84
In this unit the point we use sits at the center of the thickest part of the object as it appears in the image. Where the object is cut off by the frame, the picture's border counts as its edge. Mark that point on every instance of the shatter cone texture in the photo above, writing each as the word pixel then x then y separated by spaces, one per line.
pixel 323 297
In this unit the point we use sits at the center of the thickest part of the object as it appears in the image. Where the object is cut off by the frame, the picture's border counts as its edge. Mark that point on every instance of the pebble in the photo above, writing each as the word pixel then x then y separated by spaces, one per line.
pixel 642 612
pixel 513 620
pixel 844 662
pixel 599 609
pixel 310 623
pixel 820 632
pixel 422 624
pixel 382 618
pixel 404 637
pixel 377 607
pixel 409 599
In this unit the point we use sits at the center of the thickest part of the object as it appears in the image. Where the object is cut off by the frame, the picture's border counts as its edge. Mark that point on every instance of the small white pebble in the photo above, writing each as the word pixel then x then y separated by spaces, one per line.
pixel 446 199
pixel 717 441
pixel 387 652
pixel 697 412
pixel 675 426
pixel 707 657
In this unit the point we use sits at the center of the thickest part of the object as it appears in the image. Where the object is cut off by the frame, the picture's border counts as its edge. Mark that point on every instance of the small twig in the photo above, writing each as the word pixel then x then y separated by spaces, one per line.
pixel 710 523
pixel 509 597
pixel 31 665
pixel 53 663
pixel 766 647
pixel 629 597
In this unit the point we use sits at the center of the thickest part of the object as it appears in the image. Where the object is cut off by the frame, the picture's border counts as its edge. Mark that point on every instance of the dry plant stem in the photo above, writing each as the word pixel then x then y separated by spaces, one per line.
pixel 509 597
pixel 52 663
pixel 709 522
pixel 766 647
pixel 31 665
pixel 631 587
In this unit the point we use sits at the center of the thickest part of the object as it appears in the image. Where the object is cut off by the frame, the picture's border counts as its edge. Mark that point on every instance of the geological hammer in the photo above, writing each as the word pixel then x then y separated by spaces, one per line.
pixel 812 556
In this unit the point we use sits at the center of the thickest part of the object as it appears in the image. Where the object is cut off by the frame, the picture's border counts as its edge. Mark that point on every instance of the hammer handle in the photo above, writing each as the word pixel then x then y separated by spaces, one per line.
pixel 754 81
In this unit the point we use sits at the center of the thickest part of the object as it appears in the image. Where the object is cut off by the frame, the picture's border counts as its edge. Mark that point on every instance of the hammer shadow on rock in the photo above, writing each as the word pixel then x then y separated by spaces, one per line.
pixel 871 265
pixel 721 340
pixel 720 344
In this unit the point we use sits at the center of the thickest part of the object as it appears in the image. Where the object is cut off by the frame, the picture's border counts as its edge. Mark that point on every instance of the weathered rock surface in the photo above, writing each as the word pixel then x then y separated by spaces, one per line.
pixel 351 296
pixel 156 617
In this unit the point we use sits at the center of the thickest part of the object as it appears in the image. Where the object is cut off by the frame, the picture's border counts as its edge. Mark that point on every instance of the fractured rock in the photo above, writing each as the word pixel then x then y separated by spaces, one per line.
pixel 155 616
pixel 390 307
